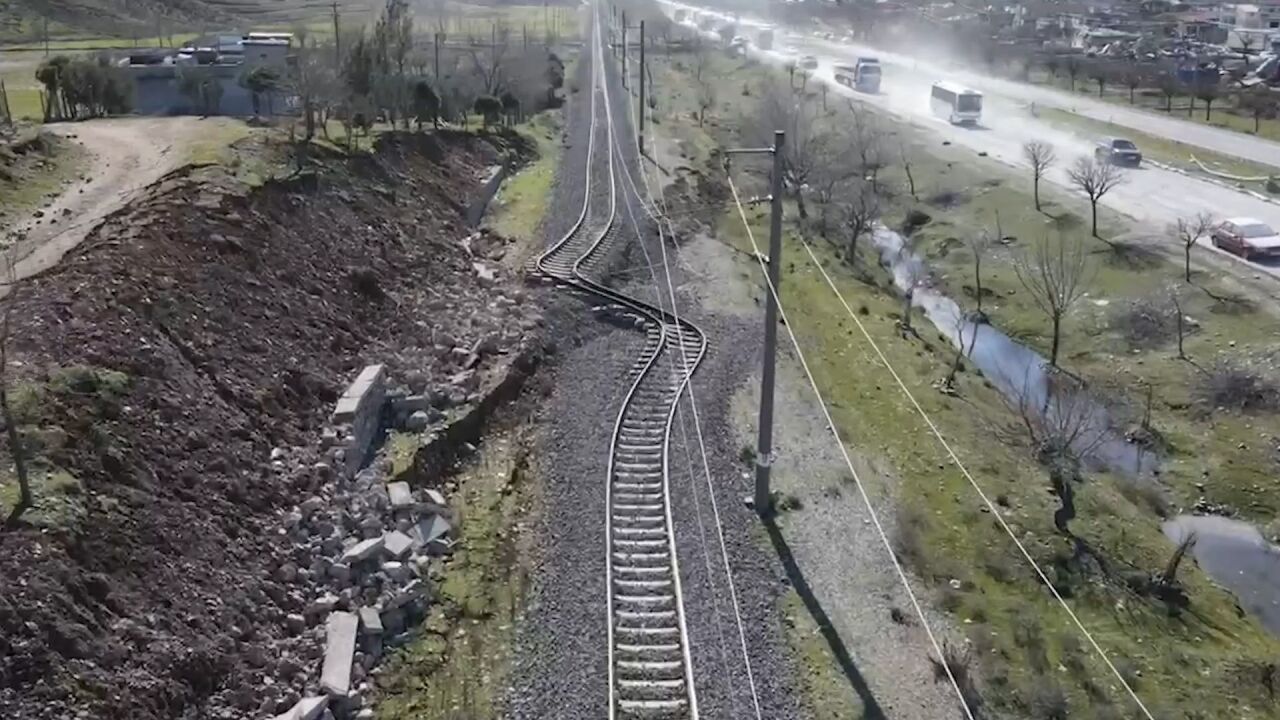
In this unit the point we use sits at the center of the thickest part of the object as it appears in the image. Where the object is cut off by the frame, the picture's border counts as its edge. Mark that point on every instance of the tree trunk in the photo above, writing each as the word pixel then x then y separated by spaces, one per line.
pixel 1168 103
pixel 25 500
pixel 1057 336
pixel 1187 257
pixel 800 206
pixel 1093 206
pixel 1208 108
pixel 1191 106
pixel 977 280
pixel 1257 122
pixel 1131 89
pixel 1182 354
pixel 1035 190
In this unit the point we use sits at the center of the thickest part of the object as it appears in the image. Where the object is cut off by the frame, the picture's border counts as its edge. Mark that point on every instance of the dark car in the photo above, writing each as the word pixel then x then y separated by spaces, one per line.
pixel 1118 151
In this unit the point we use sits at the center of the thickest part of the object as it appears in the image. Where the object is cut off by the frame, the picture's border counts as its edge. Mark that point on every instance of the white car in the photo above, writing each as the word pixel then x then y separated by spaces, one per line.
pixel 1247 237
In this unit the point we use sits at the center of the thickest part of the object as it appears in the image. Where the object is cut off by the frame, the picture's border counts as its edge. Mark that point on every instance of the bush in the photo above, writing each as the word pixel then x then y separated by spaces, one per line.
pixel 1145 322
pixel 81 88
pixel 1234 384
pixel 1049 702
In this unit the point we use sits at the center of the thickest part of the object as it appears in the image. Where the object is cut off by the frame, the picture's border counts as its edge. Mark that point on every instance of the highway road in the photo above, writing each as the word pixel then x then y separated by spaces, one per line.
pixel 1152 196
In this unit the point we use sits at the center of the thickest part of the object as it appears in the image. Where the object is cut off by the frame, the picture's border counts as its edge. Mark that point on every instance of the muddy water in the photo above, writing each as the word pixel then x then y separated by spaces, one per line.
pixel 1237 557
pixel 1018 372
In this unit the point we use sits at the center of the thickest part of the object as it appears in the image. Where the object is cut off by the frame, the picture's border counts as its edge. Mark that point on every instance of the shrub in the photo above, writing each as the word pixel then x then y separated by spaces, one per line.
pixel 1145 322
pixel 1049 702
pixel 1235 384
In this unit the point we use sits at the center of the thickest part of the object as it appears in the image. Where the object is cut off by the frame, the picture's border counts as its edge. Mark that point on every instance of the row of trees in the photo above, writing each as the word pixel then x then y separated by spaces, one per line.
pixel 80 88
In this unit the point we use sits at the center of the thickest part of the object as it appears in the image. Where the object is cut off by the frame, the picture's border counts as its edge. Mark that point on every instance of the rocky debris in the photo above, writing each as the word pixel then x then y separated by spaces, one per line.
pixel 339 653
pixel 400 495
pixel 308 708
pixel 398 545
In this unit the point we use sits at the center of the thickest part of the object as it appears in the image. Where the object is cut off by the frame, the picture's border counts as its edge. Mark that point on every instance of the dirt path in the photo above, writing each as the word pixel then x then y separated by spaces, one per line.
pixel 125 155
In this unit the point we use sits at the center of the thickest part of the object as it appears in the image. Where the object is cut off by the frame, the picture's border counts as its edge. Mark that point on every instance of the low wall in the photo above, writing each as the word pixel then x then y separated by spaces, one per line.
pixel 480 202
pixel 359 414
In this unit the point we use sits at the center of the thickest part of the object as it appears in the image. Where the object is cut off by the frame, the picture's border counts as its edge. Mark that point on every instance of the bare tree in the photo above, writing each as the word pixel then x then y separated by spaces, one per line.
pixel 914 277
pixel 1169 86
pixel 962 324
pixel 488 66
pixel 808 142
pixel 860 211
pixel 1132 78
pixel 705 84
pixel 1170 574
pixel 906 167
pixel 1063 427
pixel 16 447
pixel 1188 231
pixel 1073 67
pixel 1207 91
pixel 1175 300
pixel 867 141
pixel 979 244
pixel 1095 178
pixel 1100 72
pixel 1259 100
pixel 1056 275
pixel 1041 156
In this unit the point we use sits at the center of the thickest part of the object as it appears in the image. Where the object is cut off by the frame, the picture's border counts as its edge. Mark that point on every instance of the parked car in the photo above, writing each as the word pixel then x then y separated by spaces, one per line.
pixel 1118 151
pixel 809 62
pixel 1247 238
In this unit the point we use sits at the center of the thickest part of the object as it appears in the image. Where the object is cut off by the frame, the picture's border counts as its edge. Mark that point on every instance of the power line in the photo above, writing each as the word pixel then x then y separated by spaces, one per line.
pixel 995 511
pixel 866 500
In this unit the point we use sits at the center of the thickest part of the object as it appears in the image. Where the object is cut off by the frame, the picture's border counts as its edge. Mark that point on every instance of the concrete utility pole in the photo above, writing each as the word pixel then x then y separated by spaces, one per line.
pixel 337 37
pixel 642 107
pixel 764 447
pixel 623 48
pixel 437 44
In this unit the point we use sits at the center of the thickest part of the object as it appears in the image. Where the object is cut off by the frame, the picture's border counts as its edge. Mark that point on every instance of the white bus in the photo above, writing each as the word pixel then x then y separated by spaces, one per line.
pixel 958 104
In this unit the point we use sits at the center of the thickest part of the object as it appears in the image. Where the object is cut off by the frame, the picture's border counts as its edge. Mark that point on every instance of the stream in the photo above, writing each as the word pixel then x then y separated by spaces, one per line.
pixel 1234 553
pixel 1018 372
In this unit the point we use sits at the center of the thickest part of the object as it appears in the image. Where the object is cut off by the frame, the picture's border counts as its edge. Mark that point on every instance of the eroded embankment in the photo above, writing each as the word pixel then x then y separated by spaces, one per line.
pixel 170 379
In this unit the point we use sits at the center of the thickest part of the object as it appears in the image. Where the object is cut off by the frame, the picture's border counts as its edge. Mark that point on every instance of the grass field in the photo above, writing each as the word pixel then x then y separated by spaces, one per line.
pixel 1204 663
pixel 521 205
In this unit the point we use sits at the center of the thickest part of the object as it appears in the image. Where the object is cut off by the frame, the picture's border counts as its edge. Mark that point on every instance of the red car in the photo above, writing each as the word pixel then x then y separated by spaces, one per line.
pixel 1247 238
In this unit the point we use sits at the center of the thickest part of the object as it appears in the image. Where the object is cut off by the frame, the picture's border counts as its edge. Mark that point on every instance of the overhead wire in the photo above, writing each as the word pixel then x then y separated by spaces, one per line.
pixel 844 452
pixel 995 511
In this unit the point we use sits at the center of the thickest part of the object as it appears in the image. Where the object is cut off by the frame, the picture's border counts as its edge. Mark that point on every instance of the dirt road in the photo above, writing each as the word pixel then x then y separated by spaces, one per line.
pixel 125 155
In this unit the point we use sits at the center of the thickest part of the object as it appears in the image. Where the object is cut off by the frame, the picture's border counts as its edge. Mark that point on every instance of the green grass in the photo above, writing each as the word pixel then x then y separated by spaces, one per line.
pixel 457 668
pixel 1199 665
pixel 25 186
pixel 1163 150
pixel 401 448
pixel 522 202
pixel 59 498
pixel 464 20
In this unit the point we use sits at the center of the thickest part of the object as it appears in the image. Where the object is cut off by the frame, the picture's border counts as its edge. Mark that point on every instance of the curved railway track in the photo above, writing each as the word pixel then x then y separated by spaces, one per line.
pixel 650 671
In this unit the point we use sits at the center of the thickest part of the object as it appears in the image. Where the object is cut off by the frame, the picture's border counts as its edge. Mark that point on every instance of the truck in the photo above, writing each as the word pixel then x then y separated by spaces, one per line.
pixel 864 76
pixel 764 40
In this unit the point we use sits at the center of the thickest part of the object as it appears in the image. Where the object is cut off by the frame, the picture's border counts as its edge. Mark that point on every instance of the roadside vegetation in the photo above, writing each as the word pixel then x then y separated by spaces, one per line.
pixel 1177 638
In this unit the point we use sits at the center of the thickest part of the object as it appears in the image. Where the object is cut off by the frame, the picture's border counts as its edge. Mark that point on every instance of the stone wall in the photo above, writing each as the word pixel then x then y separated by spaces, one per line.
pixel 475 210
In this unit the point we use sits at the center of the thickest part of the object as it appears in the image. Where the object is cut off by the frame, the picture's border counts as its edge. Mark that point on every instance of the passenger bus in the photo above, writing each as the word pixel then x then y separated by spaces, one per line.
pixel 958 104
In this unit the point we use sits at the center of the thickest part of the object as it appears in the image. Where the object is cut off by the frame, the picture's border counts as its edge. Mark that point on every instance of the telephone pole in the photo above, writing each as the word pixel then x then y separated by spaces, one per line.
pixel 337 37
pixel 623 48
pixel 761 499
pixel 642 106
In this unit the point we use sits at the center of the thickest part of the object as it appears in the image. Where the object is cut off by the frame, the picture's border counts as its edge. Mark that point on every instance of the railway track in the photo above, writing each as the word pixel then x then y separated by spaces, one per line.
pixel 650 671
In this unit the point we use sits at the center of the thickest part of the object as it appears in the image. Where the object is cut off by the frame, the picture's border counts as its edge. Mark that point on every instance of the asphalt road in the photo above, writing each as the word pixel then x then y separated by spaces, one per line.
pixel 1151 196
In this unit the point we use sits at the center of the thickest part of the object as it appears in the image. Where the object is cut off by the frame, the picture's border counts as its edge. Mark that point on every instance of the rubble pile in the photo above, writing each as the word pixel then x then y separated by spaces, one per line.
pixel 365 556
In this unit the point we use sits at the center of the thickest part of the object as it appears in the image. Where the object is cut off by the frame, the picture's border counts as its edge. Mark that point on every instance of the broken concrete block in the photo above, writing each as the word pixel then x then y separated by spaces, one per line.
pixel 432 528
pixel 396 571
pixel 409 593
pixel 400 494
pixel 397 544
pixel 362 550
pixel 339 650
pixel 309 708
pixel 434 497
pixel 370 621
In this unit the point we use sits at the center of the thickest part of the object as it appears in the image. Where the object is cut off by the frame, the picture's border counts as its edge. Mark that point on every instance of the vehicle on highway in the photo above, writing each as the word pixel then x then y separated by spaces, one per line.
pixel 864 76
pixel 958 104
pixel 808 62
pixel 1246 237
pixel 1118 151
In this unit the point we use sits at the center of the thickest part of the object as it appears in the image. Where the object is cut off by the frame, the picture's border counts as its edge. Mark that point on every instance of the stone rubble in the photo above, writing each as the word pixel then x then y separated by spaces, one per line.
pixel 361 575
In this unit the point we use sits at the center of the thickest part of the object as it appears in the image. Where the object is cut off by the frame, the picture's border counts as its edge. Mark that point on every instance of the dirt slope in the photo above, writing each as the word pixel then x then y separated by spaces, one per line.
pixel 125 156
pixel 166 358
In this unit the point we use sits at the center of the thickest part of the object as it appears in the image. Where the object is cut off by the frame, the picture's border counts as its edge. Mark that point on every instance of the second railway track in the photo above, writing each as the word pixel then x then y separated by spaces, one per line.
pixel 650 671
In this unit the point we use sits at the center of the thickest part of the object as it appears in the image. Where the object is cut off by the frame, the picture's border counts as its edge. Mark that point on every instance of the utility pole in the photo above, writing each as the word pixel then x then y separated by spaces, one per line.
pixel 642 106
pixel 622 49
pixel 760 498
pixel 437 44
pixel 337 38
